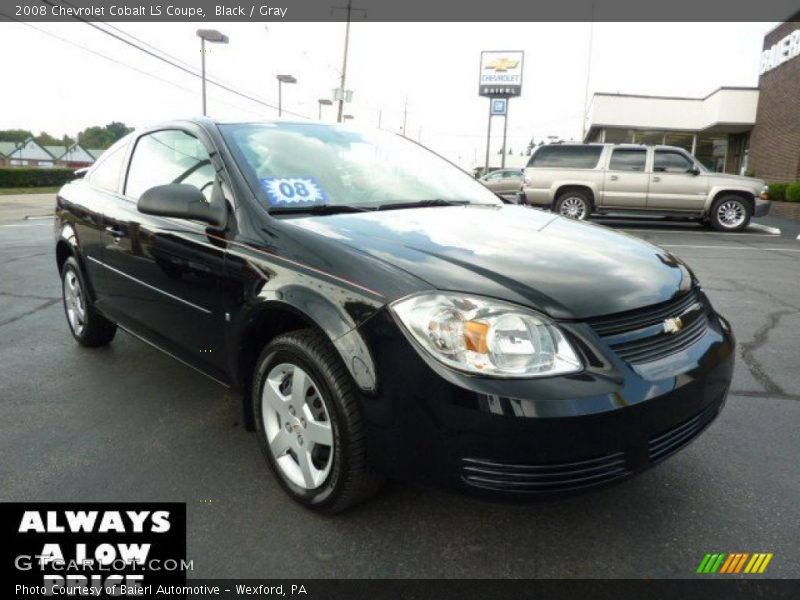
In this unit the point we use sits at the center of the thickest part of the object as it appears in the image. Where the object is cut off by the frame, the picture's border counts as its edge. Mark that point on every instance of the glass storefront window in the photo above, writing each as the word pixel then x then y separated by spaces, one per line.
pixel 711 151
pixel 681 139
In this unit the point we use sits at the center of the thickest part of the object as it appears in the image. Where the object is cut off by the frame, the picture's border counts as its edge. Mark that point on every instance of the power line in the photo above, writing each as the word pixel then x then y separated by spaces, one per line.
pixel 177 65
pixel 117 62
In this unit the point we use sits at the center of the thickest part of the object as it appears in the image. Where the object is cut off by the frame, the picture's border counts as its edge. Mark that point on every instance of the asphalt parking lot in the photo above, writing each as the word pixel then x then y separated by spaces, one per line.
pixel 126 423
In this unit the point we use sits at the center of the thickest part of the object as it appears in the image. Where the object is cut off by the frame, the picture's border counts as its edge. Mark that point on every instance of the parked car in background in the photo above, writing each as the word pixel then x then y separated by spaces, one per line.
pixel 503 181
pixel 578 180
pixel 383 314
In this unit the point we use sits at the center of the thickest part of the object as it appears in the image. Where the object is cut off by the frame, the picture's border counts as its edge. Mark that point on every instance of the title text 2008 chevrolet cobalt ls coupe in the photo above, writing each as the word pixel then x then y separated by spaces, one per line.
pixel 386 315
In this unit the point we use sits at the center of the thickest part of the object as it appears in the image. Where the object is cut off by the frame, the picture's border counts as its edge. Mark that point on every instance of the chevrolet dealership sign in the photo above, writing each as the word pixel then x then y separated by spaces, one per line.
pixel 501 73
pixel 785 50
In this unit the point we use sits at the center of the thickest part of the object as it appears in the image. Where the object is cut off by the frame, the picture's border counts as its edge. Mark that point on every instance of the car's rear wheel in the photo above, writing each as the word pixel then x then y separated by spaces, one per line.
pixel 730 213
pixel 574 204
pixel 88 327
pixel 309 423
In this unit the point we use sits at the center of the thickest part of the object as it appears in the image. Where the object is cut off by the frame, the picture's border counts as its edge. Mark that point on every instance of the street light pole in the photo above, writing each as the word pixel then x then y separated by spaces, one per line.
pixel 322 102
pixel 281 80
pixel 215 37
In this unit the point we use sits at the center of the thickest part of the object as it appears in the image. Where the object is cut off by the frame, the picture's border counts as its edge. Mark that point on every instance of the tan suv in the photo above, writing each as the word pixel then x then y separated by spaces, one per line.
pixel 578 180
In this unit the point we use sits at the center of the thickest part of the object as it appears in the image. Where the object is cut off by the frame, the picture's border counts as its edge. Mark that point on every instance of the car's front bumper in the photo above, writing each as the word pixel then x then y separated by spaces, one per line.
pixel 761 208
pixel 537 437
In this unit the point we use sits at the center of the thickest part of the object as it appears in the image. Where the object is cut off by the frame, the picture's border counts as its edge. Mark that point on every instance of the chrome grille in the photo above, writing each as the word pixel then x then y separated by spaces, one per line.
pixel 639 336
pixel 672 440
pixel 544 478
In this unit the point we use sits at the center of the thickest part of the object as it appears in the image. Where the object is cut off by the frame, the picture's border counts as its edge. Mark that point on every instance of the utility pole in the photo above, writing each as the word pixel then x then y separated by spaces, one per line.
pixel 380 114
pixel 588 76
pixel 349 8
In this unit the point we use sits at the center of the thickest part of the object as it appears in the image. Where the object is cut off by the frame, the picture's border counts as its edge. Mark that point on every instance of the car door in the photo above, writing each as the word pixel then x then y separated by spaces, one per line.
pixel 511 182
pixel 100 187
pixel 164 273
pixel 676 183
pixel 493 181
pixel 626 179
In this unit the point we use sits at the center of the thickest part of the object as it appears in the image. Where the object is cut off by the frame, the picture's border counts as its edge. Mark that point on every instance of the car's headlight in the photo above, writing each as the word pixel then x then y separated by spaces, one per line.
pixel 764 192
pixel 486 336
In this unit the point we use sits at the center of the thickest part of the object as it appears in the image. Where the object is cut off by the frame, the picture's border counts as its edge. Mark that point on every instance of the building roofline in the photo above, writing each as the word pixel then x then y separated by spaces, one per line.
pixel 794 18
pixel 656 97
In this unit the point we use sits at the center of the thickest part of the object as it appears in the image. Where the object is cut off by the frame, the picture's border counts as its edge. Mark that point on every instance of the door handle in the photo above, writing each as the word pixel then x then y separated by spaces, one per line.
pixel 613 178
pixel 115 231
pixel 656 179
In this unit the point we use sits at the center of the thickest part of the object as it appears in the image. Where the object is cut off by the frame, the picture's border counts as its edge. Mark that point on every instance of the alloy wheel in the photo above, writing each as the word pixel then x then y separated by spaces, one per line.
pixel 297 426
pixel 74 302
pixel 573 208
pixel 731 214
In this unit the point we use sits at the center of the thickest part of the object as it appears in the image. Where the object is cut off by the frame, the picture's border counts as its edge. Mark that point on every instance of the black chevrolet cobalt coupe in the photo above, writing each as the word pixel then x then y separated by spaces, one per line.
pixel 385 315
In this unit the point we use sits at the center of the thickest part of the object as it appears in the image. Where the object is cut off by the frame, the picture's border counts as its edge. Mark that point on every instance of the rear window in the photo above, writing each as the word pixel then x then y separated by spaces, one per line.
pixel 566 157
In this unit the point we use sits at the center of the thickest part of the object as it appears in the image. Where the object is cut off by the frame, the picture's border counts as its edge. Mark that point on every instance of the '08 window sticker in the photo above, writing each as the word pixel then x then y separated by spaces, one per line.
pixel 293 191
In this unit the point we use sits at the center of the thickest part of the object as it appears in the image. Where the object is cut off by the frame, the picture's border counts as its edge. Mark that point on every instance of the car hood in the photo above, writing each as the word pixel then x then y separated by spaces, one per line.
pixel 565 268
pixel 750 182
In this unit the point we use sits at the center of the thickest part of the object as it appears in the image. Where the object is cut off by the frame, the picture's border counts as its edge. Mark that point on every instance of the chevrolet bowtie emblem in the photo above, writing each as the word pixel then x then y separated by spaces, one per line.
pixel 502 64
pixel 673 325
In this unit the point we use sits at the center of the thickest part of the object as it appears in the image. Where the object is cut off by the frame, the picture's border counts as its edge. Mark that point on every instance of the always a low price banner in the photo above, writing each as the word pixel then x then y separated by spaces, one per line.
pixel 93 549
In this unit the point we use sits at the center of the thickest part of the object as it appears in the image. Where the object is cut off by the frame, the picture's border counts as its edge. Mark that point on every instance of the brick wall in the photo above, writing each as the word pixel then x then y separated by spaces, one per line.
pixel 775 141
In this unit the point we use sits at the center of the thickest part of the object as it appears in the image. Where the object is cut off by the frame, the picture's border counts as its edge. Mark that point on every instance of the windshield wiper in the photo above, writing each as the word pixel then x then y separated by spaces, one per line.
pixel 422 203
pixel 319 209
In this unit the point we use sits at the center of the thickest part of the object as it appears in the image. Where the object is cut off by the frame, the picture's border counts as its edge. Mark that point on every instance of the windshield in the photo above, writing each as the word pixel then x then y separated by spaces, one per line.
pixel 299 165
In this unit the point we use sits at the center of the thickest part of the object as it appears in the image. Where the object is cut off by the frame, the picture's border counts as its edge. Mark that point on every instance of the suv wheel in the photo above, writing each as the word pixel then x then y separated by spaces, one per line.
pixel 309 423
pixel 88 327
pixel 730 213
pixel 574 204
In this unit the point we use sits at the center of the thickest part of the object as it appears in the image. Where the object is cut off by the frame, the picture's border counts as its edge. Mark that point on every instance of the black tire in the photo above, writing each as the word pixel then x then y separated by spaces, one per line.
pixel 739 207
pixel 576 199
pixel 93 329
pixel 350 479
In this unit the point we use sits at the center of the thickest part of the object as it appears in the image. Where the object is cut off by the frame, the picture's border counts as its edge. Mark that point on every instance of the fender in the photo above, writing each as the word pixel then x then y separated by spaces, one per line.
pixel 313 308
pixel 584 183
pixel 734 189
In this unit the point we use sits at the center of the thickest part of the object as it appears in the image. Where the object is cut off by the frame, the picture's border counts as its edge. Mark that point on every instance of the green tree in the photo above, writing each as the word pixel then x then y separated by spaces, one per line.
pixel 14 135
pixel 120 130
pixel 103 137
pixel 45 139
pixel 96 137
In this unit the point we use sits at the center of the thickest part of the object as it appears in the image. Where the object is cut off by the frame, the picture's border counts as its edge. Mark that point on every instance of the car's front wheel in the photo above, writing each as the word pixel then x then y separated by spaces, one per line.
pixel 574 204
pixel 309 424
pixel 88 327
pixel 730 213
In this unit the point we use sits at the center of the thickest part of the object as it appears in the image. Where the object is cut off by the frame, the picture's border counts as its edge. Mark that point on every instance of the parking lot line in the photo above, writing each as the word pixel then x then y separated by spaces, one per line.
pixel 28 225
pixel 720 247
pixel 707 233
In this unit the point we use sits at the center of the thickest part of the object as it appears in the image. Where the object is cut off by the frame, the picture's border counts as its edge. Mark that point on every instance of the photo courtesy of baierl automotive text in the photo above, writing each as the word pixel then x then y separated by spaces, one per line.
pixel 339 299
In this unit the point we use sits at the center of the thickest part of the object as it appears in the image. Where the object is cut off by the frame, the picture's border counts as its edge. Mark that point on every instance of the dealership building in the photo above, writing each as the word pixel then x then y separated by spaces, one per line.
pixel 732 129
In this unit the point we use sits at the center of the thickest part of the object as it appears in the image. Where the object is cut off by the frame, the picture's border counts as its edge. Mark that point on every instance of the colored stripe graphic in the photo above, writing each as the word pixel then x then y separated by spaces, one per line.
pixel 734 563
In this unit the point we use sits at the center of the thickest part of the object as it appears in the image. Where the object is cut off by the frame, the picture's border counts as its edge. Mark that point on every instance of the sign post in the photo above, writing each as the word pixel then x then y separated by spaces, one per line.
pixel 500 79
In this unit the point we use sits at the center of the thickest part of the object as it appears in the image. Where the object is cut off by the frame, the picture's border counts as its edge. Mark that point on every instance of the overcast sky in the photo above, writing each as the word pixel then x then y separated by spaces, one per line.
pixel 57 87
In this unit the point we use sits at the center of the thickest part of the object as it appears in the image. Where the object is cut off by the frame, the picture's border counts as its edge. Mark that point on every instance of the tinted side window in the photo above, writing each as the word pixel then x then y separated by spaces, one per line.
pixel 627 159
pixel 566 157
pixel 671 162
pixel 169 156
pixel 105 173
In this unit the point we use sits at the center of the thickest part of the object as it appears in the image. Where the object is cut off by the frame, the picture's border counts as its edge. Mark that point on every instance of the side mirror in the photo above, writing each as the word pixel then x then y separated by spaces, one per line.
pixel 694 171
pixel 183 202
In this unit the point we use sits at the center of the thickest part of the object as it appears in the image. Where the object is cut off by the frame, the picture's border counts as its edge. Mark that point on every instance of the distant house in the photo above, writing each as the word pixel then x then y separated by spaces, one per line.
pixel 95 152
pixel 6 148
pixel 77 157
pixel 30 154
